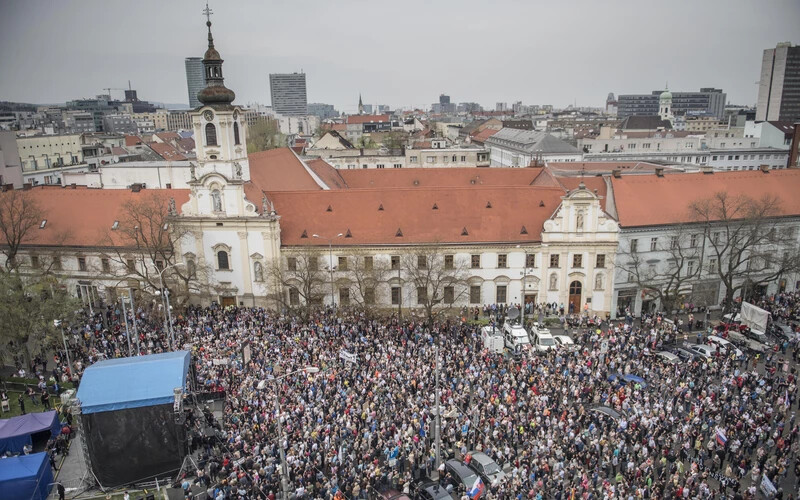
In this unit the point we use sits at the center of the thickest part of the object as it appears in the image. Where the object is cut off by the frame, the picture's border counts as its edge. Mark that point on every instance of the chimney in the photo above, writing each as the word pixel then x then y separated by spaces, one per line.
pixel 659 171
pixel 707 170
pixel 27 186
pixel 73 185
pixel 764 168
pixel 617 173
pixel 136 187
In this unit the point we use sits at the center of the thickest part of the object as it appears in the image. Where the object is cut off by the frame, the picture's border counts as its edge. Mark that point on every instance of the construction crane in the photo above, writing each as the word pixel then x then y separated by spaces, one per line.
pixel 109 89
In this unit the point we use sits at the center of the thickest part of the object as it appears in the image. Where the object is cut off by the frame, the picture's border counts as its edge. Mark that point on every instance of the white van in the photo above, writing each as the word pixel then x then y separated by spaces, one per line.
pixel 492 338
pixel 542 340
pixel 516 337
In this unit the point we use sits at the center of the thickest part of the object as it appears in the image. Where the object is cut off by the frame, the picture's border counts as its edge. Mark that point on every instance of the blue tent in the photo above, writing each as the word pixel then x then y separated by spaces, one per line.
pixel 16 432
pixel 26 476
pixel 124 383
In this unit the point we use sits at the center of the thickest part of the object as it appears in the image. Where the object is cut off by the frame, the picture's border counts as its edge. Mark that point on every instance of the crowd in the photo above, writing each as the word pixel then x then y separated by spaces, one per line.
pixel 364 421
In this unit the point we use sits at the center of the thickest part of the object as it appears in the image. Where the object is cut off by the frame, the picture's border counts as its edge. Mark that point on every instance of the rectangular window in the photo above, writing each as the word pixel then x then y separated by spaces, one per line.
pixel 106 265
pixel 712 265
pixel 673 242
pixel 463 159
pixel 601 260
pixel 291 263
pixel 57 263
pixel 449 294
pixel 475 261
pixel 159 265
pixel 422 262
pixel 577 260
pixel 395 295
pixel 475 294
pixel 430 159
pixel 35 261
pixel 530 260
pixel 344 296
pixel 413 159
pixel 448 262
pixel 82 263
pixel 313 263
pixel 398 165
pixel 130 265
pixel 693 241
pixel 369 296
pixel 634 245
pixel 554 260
pixel 395 262
pixel 690 267
pixel 294 296
pixel 502 260
pixel 422 295
pixel 653 244
pixel 342 266
pixel 368 263
pixel 501 294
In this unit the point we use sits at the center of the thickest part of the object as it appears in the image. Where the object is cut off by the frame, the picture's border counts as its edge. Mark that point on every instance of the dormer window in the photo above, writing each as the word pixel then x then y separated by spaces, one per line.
pixel 44 222
pixel 115 225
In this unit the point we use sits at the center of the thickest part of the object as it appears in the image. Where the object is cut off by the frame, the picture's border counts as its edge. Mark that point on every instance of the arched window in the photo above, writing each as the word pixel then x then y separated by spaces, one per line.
pixel 222 260
pixel 258 271
pixel 216 200
pixel 191 268
pixel 236 133
pixel 211 134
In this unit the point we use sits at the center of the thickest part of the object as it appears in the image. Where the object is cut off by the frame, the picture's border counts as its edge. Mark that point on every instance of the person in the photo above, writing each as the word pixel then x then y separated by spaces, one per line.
pixel 21 401
pixel 61 491
pixel 45 399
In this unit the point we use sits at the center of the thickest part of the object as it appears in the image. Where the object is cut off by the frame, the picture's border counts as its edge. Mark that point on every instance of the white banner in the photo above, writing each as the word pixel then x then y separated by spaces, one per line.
pixel 348 357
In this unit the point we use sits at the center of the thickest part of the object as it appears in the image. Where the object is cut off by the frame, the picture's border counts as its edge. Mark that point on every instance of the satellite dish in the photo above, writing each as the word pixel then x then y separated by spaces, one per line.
pixel 513 313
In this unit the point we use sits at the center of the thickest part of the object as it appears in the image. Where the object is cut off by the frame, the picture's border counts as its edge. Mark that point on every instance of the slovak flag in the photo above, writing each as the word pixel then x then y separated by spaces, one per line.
pixel 477 489
pixel 721 437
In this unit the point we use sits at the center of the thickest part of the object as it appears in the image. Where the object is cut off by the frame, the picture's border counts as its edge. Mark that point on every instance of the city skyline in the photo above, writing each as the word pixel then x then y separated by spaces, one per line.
pixel 370 54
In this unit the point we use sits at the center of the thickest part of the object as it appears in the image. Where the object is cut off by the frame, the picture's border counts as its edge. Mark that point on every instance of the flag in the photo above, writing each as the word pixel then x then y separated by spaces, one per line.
pixel 476 490
pixel 721 437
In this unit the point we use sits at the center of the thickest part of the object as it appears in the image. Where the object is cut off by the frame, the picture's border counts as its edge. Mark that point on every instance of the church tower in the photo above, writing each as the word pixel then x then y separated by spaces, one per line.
pixel 665 105
pixel 221 143
pixel 360 105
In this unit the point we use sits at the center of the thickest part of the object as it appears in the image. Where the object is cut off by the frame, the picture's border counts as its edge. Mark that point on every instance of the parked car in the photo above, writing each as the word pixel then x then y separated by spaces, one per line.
pixel 490 472
pixel 427 489
pixel 668 357
pixel 704 351
pixel 462 478
pixel 606 410
pixel 392 494
pixel 628 379
pixel 724 345
pixel 684 354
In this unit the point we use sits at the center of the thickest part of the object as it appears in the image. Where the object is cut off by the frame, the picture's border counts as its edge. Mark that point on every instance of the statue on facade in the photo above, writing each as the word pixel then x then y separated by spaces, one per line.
pixel 238 168
pixel 192 171
pixel 172 209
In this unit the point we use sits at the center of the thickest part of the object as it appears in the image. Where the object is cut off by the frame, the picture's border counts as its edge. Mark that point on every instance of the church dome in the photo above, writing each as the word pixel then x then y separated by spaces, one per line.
pixel 216 94
pixel 666 95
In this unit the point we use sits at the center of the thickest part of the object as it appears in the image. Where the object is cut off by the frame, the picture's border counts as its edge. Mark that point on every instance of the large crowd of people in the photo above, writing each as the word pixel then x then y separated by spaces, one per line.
pixel 363 419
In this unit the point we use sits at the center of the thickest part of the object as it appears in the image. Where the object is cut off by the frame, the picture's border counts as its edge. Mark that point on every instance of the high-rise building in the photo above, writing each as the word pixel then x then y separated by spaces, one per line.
pixel 288 91
pixel 707 102
pixel 444 99
pixel 195 79
pixel 323 111
pixel 779 87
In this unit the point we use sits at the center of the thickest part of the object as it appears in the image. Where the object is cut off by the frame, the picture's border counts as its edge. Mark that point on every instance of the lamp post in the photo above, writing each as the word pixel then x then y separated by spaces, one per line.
pixel 165 300
pixel 127 331
pixel 524 278
pixel 133 313
pixel 330 258
pixel 261 385
pixel 58 322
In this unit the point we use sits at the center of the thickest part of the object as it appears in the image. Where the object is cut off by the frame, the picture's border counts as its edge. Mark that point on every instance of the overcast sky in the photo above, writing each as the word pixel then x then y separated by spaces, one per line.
pixel 401 53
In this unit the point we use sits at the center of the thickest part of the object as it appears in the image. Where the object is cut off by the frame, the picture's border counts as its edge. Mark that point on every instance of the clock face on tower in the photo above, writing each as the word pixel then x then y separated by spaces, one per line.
pixel 208 115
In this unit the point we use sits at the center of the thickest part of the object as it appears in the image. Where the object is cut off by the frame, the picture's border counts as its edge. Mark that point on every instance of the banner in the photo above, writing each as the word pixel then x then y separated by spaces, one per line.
pixel 347 356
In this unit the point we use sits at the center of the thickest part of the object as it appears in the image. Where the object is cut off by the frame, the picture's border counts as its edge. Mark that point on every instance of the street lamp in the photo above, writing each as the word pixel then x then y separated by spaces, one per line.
pixel 165 301
pixel 58 322
pixel 261 385
pixel 524 278
pixel 330 257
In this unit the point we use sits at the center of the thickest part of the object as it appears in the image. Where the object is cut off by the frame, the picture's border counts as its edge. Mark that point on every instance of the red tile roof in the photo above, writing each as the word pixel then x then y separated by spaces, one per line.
pixel 647 200
pixel 186 144
pixel 83 217
pixel 438 177
pixel 168 136
pixel 356 119
pixel 166 151
pixel 117 151
pixel 329 175
pixel 279 170
pixel 410 210
pixel 483 135
pixel 133 140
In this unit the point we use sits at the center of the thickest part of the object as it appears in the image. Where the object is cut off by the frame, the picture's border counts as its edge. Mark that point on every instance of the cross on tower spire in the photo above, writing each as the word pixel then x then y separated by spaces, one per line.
pixel 207 12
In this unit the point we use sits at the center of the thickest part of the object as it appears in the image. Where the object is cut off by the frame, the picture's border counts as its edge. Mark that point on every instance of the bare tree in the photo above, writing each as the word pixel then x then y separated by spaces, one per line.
pixel 20 215
pixel 667 279
pixel 365 273
pixel 438 278
pixel 146 242
pixel 301 272
pixel 740 233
